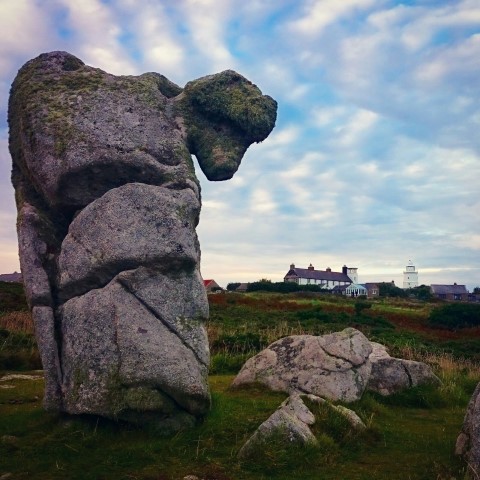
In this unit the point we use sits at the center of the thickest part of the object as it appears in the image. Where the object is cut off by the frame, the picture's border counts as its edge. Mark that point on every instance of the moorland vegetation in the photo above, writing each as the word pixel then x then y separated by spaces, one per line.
pixel 410 435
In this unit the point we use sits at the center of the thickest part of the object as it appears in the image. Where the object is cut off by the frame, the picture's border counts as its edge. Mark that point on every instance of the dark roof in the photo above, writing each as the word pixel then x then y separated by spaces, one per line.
pixel 11 277
pixel 449 289
pixel 318 275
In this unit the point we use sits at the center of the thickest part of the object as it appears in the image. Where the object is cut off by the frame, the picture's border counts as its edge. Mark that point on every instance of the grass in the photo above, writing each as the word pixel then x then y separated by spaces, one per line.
pixel 410 435
pixel 395 322
pixel 403 440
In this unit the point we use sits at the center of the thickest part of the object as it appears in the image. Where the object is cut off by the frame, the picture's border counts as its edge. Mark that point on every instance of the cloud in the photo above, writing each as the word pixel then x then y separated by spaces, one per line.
pixel 152 35
pixel 376 153
pixel 207 21
pixel 283 137
pixel 95 32
pixel 25 30
pixel 318 14
pixel 356 127
pixel 448 63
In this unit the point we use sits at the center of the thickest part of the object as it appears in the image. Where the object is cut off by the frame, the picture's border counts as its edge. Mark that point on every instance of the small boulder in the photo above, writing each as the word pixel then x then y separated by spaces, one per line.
pixel 391 375
pixel 288 424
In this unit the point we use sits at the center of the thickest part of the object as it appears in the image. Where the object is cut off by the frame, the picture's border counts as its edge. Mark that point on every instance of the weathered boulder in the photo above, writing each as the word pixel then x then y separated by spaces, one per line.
pixel 289 424
pixel 108 203
pixel 390 375
pixel 335 366
pixel 468 441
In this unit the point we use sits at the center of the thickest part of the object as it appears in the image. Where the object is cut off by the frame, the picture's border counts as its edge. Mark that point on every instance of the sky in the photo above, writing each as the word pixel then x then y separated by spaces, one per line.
pixel 375 157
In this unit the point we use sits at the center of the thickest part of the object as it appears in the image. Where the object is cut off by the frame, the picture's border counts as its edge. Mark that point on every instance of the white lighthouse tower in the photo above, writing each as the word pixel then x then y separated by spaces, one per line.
pixel 410 276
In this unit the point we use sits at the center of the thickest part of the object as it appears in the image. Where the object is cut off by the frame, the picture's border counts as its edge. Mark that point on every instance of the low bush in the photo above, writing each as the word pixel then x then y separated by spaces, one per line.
pixel 455 315
pixel 282 287
pixel 12 297
pixel 18 351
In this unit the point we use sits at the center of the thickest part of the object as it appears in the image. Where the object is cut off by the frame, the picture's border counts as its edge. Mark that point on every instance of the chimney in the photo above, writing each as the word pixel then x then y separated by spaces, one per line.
pixel 292 266
pixel 310 267
pixel 329 269
pixel 344 269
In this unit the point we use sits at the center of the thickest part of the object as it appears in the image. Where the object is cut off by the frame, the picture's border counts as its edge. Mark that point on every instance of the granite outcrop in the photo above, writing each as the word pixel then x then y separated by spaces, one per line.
pixel 108 202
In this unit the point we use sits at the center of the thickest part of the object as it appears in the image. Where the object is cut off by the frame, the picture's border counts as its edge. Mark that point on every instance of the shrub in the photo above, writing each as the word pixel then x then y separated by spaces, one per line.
pixel 18 351
pixel 455 315
pixel 282 287
pixel 12 297
pixel 360 306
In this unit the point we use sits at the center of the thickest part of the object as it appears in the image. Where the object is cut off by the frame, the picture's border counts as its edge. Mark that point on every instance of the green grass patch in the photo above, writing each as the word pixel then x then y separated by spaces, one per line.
pixel 403 440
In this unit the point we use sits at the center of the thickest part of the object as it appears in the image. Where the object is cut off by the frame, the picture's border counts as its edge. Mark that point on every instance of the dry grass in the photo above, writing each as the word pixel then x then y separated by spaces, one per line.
pixel 442 361
pixel 270 335
pixel 455 373
pixel 17 322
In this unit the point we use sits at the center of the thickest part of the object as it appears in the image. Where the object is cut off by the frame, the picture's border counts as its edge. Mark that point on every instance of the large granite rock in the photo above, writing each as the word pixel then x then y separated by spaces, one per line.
pixel 108 203
pixel 338 366
pixel 333 366
pixel 468 441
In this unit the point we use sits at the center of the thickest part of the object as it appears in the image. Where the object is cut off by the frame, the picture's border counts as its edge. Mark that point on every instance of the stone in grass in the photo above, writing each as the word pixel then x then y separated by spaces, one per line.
pixel 334 366
pixel 339 366
pixel 468 442
pixel 289 425
pixel 390 375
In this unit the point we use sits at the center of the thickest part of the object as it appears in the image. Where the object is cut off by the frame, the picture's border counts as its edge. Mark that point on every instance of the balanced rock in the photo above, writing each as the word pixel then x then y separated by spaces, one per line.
pixel 108 203
pixel 468 441
pixel 339 366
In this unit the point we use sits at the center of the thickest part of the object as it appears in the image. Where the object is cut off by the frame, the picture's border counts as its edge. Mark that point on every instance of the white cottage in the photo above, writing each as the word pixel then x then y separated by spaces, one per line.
pixel 323 278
